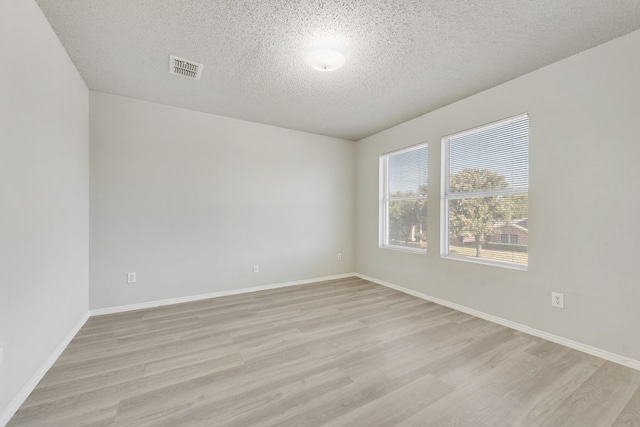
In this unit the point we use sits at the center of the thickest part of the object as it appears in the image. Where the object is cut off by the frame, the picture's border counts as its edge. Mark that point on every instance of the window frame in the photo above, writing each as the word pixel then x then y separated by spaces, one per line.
pixel 446 196
pixel 384 199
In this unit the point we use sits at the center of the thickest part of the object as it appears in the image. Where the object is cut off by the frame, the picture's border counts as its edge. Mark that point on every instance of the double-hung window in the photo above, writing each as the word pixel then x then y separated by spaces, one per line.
pixel 486 194
pixel 403 199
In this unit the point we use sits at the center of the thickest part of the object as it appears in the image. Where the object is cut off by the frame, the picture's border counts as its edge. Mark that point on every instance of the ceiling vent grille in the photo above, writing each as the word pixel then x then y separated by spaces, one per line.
pixel 184 67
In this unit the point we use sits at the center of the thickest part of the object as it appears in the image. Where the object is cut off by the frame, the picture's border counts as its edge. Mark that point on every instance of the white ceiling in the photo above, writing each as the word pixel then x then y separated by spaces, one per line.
pixel 404 57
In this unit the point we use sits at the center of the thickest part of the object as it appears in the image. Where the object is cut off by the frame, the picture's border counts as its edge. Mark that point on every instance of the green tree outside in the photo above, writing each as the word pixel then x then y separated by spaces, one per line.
pixel 408 218
pixel 476 217
pixel 468 218
pixel 518 205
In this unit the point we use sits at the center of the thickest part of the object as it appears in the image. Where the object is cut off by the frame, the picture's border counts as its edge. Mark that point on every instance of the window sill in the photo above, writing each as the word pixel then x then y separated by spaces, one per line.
pixel 404 249
pixel 509 265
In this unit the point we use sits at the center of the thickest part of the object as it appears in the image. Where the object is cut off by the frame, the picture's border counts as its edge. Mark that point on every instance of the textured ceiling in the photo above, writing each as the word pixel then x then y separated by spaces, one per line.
pixel 404 57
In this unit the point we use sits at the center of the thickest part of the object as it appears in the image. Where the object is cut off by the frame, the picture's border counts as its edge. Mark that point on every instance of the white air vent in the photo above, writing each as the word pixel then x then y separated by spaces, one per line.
pixel 184 67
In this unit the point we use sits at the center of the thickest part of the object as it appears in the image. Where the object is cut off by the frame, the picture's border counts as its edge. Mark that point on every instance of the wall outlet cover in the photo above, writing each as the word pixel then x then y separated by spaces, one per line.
pixel 557 300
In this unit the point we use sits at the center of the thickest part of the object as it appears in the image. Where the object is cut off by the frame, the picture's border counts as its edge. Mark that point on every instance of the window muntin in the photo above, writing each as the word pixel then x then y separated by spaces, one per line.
pixel 403 199
pixel 485 194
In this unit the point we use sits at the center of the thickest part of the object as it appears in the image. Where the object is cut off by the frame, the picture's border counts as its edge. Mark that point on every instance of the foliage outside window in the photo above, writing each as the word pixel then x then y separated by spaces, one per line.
pixel 403 199
pixel 485 194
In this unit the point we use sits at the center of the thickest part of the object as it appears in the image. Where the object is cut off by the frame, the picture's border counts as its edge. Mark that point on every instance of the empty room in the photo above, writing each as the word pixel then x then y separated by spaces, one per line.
pixel 317 213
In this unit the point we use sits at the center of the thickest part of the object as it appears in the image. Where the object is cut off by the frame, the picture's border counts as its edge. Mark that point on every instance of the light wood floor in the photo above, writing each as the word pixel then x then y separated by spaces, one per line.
pixel 339 353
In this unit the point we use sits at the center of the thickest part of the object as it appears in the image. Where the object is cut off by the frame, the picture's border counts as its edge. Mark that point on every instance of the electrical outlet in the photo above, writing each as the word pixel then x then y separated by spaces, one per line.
pixel 557 300
pixel 339 256
pixel 256 268
pixel 131 277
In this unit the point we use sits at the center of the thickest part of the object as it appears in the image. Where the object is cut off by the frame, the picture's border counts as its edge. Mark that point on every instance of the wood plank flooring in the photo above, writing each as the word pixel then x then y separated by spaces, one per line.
pixel 338 353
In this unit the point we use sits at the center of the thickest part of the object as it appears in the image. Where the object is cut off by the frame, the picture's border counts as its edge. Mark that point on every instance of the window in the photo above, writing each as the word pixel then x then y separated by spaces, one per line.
pixel 403 199
pixel 485 197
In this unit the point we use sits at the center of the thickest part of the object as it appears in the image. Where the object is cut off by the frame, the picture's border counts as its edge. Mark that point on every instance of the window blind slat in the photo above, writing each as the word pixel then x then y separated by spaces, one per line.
pixel 408 172
pixel 500 153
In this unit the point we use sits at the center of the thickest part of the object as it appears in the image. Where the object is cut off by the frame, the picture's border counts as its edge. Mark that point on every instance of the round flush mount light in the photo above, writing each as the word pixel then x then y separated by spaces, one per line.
pixel 325 59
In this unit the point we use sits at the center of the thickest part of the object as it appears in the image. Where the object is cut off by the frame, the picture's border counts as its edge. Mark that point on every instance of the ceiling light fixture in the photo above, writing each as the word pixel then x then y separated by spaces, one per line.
pixel 325 59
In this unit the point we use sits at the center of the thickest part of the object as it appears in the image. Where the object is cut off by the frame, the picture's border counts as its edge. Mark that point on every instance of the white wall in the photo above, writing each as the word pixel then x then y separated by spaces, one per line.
pixel 44 196
pixel 190 201
pixel 584 201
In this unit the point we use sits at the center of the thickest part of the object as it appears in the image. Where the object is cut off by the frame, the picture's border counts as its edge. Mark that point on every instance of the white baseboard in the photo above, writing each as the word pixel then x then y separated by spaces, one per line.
pixel 158 303
pixel 19 399
pixel 635 364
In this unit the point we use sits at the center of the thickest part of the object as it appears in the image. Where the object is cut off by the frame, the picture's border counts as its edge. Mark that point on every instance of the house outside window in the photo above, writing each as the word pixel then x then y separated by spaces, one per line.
pixel 403 199
pixel 485 196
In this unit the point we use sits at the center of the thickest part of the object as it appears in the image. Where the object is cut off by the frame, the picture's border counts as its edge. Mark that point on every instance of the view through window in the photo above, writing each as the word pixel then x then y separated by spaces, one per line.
pixel 485 193
pixel 403 190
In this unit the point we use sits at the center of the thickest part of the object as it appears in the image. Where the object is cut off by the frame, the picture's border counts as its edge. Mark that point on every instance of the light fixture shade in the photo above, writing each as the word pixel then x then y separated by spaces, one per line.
pixel 325 59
